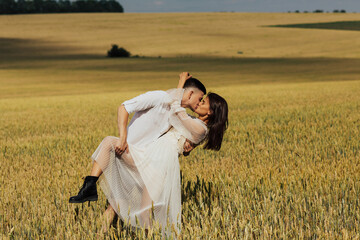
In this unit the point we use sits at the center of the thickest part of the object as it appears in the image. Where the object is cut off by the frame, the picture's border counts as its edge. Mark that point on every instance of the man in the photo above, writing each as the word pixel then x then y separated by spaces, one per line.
pixel 150 121
pixel 151 118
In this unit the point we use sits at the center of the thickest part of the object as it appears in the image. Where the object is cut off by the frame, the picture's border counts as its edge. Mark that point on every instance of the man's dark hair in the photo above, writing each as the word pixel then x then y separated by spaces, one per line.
pixel 193 82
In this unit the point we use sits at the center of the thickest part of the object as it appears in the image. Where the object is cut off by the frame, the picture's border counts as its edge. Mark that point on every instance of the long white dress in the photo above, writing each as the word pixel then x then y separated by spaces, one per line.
pixel 143 185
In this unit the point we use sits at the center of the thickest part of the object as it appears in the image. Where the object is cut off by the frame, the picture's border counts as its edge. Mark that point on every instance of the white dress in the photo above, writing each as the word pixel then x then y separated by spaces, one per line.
pixel 143 185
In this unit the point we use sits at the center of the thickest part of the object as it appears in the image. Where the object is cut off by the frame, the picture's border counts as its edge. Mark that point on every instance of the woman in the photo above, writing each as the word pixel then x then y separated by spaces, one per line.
pixel 143 185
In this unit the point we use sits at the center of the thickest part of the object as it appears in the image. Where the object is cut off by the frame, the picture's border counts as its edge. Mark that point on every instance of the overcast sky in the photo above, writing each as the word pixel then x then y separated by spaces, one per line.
pixel 238 5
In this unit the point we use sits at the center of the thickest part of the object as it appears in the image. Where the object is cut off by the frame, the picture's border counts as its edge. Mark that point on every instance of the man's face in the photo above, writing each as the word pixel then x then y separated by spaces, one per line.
pixel 195 98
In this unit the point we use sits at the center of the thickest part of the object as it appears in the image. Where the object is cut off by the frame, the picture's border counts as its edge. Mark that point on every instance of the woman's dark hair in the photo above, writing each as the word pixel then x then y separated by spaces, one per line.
pixel 217 123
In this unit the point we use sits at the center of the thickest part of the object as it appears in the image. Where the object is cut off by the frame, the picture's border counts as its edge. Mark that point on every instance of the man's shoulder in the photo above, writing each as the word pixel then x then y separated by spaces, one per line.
pixel 157 92
pixel 162 96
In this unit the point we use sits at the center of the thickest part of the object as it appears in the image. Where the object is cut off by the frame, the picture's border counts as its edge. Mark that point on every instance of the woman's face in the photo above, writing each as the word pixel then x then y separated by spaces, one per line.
pixel 203 108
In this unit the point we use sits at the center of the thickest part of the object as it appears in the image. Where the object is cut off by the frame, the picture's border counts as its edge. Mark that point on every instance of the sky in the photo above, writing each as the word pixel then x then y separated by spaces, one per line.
pixel 238 5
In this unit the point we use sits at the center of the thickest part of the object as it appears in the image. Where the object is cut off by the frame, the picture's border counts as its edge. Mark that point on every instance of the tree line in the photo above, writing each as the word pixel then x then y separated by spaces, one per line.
pixel 321 11
pixel 58 6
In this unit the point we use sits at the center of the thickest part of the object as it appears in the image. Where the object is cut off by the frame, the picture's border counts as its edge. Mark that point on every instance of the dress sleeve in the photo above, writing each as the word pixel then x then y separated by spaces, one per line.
pixel 191 128
pixel 146 101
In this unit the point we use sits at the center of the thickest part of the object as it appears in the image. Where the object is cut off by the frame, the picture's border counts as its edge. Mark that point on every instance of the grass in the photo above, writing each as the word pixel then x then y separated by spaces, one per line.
pixel 289 164
pixel 346 25
pixel 100 75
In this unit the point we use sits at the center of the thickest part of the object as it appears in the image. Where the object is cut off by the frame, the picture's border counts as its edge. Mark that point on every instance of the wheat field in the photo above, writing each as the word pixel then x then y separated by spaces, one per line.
pixel 289 167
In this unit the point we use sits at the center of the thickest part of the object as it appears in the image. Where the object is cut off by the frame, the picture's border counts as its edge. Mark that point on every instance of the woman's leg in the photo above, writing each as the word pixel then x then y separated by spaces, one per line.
pixel 108 218
pixel 146 203
pixel 95 170
pixel 102 156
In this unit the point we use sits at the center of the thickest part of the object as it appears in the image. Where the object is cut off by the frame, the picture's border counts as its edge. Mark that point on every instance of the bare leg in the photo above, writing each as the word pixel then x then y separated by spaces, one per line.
pixel 108 216
pixel 88 192
pixel 95 170
pixel 102 161
pixel 146 202
pixel 103 156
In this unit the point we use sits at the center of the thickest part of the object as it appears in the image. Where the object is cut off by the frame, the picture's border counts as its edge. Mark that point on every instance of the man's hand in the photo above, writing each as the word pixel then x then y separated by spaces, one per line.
pixel 184 76
pixel 188 147
pixel 121 146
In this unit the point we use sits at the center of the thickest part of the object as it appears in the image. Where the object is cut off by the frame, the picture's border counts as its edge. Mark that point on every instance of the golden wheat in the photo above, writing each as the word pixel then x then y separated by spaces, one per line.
pixel 289 164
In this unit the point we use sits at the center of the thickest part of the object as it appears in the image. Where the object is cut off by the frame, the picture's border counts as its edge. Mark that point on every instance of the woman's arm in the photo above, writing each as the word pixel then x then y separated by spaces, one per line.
pixel 192 129
pixel 188 147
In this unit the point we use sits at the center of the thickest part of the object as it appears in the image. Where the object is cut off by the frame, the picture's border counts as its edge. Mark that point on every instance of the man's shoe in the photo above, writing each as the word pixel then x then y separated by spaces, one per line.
pixel 88 191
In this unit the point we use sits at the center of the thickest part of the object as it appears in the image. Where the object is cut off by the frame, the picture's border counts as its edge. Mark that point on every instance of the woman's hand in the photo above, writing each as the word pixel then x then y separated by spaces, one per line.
pixel 188 147
pixel 184 76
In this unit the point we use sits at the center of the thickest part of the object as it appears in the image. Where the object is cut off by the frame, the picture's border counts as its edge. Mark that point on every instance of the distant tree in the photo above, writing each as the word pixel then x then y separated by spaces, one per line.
pixel 78 6
pixel 55 6
pixel 111 6
pixel 65 6
pixel 8 6
pixel 39 5
pixel 297 11
pixel 50 6
pixel 318 11
pixel 21 6
pixel 115 51
pixel 336 11
pixel 343 11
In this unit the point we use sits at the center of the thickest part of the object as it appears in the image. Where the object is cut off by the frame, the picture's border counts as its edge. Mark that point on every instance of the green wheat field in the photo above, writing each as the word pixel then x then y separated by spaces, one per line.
pixel 289 167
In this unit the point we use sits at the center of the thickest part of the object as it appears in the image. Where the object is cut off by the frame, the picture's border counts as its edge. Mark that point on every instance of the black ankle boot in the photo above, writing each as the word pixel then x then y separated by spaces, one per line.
pixel 87 192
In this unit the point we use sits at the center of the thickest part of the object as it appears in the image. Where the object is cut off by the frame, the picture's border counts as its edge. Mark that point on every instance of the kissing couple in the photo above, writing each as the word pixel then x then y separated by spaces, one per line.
pixel 140 172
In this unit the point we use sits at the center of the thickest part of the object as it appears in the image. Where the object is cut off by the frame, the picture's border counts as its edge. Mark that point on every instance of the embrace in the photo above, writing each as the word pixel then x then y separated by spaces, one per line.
pixel 140 172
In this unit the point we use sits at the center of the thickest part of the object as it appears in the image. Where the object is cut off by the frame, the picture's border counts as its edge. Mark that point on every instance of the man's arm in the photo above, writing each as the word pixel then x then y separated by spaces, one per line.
pixel 183 77
pixel 140 103
pixel 123 116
